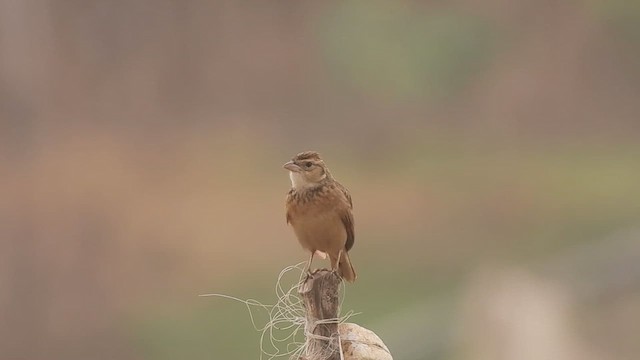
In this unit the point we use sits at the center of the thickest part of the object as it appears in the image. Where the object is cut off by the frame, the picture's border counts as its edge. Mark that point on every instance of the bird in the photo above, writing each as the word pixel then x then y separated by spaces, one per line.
pixel 319 209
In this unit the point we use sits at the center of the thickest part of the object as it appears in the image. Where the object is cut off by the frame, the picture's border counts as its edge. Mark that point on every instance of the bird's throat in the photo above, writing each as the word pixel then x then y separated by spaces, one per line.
pixel 298 181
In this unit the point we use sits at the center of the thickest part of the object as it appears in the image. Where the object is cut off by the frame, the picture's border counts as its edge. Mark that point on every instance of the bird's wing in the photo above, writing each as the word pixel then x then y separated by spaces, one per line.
pixel 346 194
pixel 347 220
pixel 347 217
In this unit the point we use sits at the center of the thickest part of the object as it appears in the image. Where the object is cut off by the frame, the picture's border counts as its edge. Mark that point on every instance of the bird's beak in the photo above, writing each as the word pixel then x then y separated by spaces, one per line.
pixel 292 167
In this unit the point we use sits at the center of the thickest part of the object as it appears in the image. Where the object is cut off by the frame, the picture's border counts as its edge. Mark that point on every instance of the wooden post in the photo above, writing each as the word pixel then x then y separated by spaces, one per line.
pixel 319 293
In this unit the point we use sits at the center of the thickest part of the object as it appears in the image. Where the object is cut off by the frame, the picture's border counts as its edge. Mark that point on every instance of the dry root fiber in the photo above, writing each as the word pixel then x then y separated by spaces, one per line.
pixel 290 332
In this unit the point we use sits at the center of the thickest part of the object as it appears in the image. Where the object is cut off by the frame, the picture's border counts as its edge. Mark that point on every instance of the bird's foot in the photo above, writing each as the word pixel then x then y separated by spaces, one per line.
pixel 308 274
pixel 335 272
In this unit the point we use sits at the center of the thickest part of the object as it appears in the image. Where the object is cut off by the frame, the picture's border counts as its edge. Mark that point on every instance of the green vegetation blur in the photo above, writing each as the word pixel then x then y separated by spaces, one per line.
pixel 492 150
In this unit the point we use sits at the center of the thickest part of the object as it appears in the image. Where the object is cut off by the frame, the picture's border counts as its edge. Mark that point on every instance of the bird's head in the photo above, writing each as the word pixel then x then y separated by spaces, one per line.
pixel 307 170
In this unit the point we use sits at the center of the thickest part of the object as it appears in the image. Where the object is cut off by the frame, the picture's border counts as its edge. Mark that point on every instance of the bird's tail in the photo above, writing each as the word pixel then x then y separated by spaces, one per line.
pixel 345 268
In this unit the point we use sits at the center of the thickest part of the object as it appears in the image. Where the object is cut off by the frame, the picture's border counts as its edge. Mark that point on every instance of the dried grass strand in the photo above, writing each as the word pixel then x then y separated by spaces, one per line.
pixel 287 315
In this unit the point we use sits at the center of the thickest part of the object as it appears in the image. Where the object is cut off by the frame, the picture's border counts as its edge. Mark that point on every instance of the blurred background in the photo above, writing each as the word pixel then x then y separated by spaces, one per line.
pixel 492 149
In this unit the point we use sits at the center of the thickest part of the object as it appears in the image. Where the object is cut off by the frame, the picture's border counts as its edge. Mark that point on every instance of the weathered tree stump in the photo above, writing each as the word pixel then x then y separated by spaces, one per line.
pixel 319 293
pixel 325 339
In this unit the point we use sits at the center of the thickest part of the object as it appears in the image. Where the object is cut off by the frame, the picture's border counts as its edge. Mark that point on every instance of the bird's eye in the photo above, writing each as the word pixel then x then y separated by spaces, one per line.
pixel 308 164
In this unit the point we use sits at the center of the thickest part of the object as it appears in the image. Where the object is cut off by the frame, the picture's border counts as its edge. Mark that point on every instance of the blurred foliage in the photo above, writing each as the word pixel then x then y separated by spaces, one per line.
pixel 621 15
pixel 401 50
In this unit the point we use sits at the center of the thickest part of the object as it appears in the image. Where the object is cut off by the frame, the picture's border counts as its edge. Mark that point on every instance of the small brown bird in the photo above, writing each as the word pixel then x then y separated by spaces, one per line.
pixel 319 210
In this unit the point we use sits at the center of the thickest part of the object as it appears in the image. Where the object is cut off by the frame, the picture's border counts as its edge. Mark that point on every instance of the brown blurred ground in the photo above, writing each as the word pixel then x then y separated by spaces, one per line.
pixel 141 145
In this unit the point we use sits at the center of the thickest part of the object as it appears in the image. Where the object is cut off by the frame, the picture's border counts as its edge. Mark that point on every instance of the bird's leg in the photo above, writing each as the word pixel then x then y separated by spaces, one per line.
pixel 336 264
pixel 308 269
